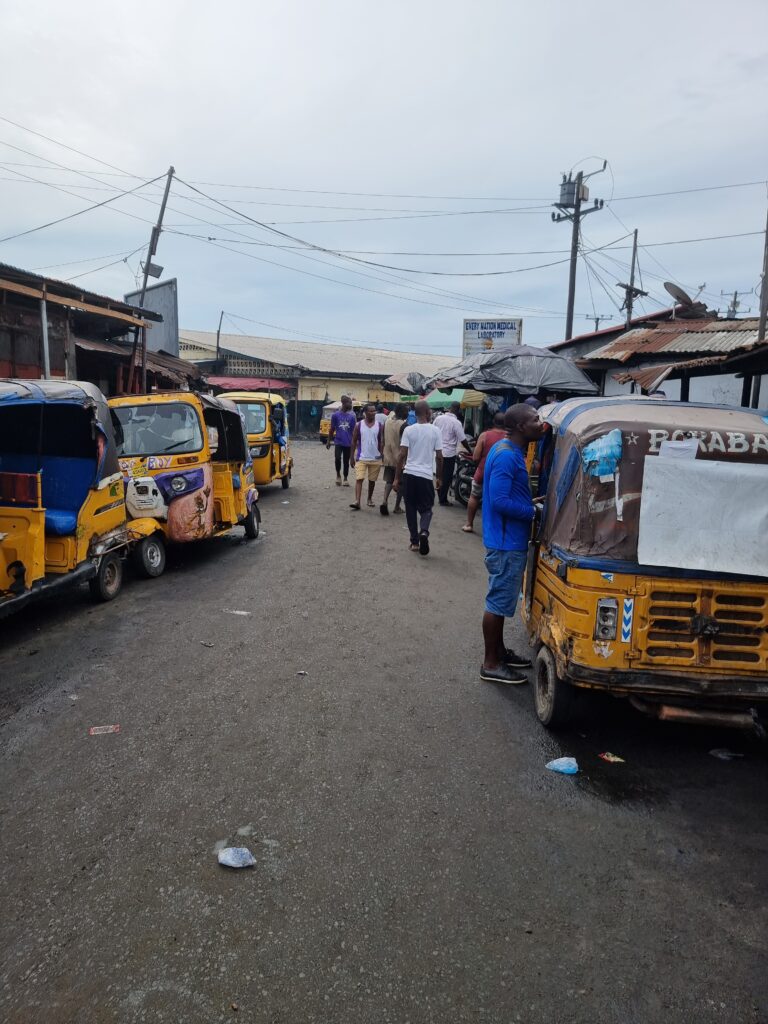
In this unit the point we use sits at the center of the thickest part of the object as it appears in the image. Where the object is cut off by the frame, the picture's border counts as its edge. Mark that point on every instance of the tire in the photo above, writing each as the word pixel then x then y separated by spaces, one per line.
pixel 252 522
pixel 286 481
pixel 148 557
pixel 552 697
pixel 108 581
pixel 462 490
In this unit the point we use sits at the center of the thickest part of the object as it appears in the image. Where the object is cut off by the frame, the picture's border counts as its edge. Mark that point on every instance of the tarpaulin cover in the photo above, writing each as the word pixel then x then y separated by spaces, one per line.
pixel 412 383
pixel 582 516
pixel 528 370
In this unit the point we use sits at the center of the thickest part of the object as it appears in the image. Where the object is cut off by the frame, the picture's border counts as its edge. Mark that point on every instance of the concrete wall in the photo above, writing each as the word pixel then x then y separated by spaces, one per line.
pixel 314 389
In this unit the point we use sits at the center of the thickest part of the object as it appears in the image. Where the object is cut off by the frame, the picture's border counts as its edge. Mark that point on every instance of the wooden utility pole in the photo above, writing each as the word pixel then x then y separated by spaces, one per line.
pixel 153 240
pixel 573 192
pixel 761 324
pixel 630 292
pixel 218 340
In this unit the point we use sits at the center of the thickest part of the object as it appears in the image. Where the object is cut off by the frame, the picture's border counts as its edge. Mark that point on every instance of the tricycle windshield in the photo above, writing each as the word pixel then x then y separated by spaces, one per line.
pixel 157 429
pixel 255 414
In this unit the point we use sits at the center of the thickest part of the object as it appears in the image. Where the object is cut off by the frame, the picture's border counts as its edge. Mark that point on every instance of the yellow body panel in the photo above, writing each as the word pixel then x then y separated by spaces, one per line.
pixel 275 463
pixel 22 539
pixel 706 632
pixel 214 508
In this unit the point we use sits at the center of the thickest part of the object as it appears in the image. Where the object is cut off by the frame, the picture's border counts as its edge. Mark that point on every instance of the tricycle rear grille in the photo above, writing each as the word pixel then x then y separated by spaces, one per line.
pixel 706 629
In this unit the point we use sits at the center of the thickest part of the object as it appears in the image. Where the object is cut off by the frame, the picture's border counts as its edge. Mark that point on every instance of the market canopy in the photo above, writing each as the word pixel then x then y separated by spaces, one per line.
pixel 466 398
pixel 525 369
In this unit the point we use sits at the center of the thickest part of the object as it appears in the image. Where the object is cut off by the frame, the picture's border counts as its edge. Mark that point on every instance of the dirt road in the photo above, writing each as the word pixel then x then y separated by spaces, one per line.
pixel 415 862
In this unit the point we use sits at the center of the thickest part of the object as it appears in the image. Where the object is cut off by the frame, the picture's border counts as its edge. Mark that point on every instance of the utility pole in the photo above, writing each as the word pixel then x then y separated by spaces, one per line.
pixel 597 318
pixel 573 192
pixel 761 324
pixel 630 292
pixel 734 305
pixel 153 240
pixel 218 340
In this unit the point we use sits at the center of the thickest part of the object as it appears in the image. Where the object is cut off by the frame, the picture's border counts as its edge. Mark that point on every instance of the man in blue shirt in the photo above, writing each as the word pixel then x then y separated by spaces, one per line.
pixel 508 512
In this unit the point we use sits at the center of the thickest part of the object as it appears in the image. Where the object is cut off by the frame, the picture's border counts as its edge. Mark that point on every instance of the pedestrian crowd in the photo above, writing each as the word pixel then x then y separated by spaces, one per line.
pixel 419 457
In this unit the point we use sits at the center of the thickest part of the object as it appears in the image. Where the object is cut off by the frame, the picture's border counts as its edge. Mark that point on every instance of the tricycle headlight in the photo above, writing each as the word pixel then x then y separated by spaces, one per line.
pixel 178 484
pixel 606 619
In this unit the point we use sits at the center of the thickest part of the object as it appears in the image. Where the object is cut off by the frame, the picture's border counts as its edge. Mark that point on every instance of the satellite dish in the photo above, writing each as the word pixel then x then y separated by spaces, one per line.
pixel 678 294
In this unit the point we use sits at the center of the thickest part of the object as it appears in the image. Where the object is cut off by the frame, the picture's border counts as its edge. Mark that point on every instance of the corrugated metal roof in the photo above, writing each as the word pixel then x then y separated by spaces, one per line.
pixel 681 336
pixel 315 357
pixel 650 377
pixel 72 291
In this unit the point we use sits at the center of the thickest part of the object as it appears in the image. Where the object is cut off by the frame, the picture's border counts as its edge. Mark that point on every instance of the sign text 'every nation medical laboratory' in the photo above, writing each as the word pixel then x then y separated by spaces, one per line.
pixel 485 335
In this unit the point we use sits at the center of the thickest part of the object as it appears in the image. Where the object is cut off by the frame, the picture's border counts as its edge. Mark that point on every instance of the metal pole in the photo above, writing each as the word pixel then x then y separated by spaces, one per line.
pixel 44 325
pixel 574 258
pixel 631 289
pixel 296 409
pixel 153 240
pixel 218 340
pixel 763 295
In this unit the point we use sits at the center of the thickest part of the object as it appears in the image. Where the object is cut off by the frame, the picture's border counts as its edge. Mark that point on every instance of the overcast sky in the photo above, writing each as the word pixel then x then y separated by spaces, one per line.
pixel 457 106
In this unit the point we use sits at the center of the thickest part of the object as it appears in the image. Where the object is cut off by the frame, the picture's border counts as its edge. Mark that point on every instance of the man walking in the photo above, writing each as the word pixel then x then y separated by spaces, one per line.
pixel 393 430
pixel 366 456
pixel 485 442
pixel 452 434
pixel 419 461
pixel 343 423
pixel 508 512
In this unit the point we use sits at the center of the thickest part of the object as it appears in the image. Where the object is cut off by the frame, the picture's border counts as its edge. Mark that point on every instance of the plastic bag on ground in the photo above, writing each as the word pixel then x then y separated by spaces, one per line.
pixel 236 857
pixel 564 765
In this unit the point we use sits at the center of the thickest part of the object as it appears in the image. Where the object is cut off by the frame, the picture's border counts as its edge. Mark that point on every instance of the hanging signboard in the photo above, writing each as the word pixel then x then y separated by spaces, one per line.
pixel 487 334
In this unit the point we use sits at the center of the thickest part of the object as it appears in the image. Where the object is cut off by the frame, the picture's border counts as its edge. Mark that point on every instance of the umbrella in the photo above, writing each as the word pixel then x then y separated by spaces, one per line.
pixel 525 369
pixel 412 383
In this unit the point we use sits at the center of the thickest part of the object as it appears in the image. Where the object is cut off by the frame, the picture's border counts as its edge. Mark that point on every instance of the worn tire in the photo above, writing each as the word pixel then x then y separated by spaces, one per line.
pixel 252 522
pixel 552 696
pixel 286 481
pixel 106 584
pixel 148 557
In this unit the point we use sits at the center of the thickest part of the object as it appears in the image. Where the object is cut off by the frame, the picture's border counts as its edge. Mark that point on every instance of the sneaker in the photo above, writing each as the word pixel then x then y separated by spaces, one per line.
pixel 516 660
pixel 346 483
pixel 384 509
pixel 502 674
pixel 423 544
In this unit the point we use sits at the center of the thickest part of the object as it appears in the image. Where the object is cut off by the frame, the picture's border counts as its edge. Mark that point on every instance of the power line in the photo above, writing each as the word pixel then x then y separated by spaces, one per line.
pixel 89 259
pixel 95 270
pixel 78 213
pixel 320 337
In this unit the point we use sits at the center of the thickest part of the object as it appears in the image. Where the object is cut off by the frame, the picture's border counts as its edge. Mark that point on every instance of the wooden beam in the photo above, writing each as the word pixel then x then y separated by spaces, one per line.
pixel 60 300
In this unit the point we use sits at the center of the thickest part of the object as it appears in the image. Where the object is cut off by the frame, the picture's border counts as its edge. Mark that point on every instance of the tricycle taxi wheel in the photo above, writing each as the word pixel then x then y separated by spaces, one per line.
pixel 552 696
pixel 149 557
pixel 286 480
pixel 106 584
pixel 252 522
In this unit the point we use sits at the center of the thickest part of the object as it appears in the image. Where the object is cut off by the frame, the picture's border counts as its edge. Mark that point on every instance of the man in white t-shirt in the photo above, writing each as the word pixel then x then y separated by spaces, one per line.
pixel 419 462
pixel 452 433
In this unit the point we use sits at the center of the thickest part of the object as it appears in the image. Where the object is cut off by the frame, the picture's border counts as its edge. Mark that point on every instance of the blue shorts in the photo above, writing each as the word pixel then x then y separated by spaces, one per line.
pixel 505 579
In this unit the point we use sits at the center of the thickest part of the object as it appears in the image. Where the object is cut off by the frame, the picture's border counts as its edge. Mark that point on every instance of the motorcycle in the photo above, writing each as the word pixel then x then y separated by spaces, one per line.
pixel 462 481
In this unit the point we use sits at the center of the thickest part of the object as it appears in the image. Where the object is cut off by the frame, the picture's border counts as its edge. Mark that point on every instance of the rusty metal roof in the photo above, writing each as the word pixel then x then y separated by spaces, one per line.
pixel 694 336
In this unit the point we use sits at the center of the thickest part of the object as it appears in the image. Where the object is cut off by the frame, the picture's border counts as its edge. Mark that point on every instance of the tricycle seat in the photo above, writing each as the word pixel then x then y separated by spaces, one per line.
pixel 60 522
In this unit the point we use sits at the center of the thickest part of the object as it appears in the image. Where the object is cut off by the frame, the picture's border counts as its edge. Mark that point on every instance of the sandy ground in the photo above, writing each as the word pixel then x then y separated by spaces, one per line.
pixel 415 862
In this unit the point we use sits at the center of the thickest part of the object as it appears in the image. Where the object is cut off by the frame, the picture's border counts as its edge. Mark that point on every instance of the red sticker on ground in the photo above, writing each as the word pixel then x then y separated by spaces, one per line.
pixel 99 730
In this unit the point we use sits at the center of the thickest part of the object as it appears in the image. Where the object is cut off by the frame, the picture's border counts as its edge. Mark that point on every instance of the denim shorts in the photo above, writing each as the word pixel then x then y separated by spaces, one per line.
pixel 505 580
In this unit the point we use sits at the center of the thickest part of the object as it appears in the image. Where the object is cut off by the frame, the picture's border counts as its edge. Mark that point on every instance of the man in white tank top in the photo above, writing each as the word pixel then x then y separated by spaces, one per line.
pixel 366 456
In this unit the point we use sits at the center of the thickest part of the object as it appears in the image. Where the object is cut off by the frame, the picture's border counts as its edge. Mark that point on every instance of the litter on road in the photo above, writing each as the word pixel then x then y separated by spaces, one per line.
pixel 236 611
pixel 302 672
pixel 207 643
pixel 725 755
pixel 101 730
pixel 612 758
pixel 563 765
pixel 236 857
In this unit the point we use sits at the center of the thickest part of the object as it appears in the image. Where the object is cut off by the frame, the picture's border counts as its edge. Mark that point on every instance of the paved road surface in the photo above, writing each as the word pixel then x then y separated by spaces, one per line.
pixel 415 862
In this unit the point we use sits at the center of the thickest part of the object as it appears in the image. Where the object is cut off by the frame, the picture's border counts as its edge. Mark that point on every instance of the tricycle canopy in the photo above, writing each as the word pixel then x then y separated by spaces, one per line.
pixel 647 481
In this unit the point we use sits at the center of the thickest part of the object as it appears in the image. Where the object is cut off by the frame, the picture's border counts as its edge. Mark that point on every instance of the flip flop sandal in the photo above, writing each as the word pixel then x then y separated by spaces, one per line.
pixel 467 529
pixel 354 506
pixel 370 504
